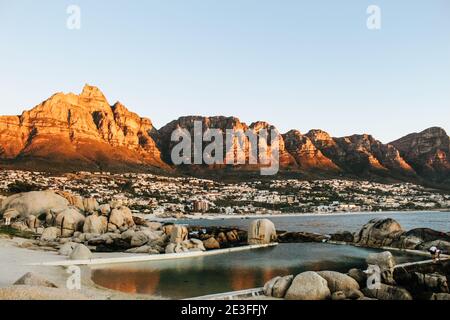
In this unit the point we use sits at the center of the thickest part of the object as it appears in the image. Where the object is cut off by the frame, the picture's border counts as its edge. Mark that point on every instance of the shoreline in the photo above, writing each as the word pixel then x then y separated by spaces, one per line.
pixel 209 216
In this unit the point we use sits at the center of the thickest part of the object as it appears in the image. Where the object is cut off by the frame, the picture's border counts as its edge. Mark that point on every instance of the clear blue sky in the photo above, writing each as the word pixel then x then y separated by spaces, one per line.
pixel 297 64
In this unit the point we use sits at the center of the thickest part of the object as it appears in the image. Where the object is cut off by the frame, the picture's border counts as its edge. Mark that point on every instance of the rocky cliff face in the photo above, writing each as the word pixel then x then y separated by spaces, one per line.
pixel 306 154
pixel 360 154
pixel 239 150
pixel 84 132
pixel 79 132
pixel 428 152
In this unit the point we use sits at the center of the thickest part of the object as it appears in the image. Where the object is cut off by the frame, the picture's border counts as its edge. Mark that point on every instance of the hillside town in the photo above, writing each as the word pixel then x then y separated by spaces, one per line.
pixel 183 196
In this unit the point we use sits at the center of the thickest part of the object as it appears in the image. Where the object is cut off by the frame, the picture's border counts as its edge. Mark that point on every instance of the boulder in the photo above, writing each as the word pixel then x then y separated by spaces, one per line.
pixel 69 221
pixel 167 229
pixel 379 232
pixel 440 296
pixel 343 236
pixel 385 260
pixel 308 286
pixel 104 209
pixel 261 231
pixel 67 248
pixel 32 279
pixel 281 286
pixel 95 224
pixel 387 292
pixel 120 217
pixel 33 203
pixel 338 295
pixel 268 287
pixel 338 281
pixel 359 277
pixel 232 236
pixel 139 239
pixel 90 205
pixel 128 235
pixel 353 294
pixel 211 244
pixel 178 234
pixel 50 234
pixel 80 252
pixel 222 238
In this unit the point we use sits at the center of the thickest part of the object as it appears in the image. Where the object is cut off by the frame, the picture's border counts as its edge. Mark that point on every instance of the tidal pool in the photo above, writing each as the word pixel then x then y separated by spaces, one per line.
pixel 193 277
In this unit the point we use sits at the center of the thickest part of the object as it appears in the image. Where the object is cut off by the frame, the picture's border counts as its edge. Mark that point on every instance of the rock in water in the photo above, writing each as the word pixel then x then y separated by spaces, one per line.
pixel 379 232
pixel 308 286
pixel 80 252
pixel 31 279
pixel 261 231
pixel 211 243
pixel 339 281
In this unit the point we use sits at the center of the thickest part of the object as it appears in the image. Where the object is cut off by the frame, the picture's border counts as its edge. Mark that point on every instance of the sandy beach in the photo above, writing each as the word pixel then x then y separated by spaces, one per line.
pixel 16 261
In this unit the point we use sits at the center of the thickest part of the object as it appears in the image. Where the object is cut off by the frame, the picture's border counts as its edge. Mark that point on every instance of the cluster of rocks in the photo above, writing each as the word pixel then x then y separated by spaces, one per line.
pixel 378 233
pixel 394 283
pixel 76 225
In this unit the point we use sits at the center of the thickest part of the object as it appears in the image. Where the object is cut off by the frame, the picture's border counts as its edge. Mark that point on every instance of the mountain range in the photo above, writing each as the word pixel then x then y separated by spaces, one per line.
pixel 70 132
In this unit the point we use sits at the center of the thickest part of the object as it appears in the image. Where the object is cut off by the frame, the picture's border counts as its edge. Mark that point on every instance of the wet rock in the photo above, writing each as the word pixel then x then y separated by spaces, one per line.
pixel 308 286
pixel 211 244
pixel 261 231
pixel 379 232
pixel 300 237
pixel 343 236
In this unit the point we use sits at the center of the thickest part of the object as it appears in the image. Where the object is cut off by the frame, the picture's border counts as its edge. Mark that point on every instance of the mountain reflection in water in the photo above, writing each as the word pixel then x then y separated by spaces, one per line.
pixel 193 277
